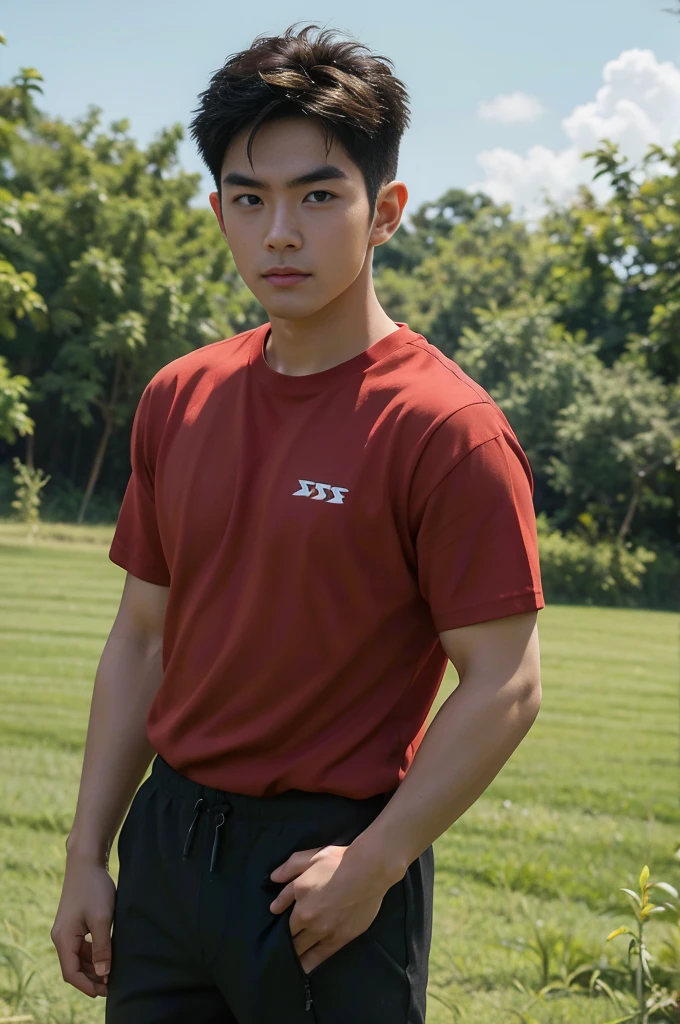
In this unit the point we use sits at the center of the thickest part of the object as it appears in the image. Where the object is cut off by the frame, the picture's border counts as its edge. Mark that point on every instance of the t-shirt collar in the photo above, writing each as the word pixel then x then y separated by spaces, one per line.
pixel 314 383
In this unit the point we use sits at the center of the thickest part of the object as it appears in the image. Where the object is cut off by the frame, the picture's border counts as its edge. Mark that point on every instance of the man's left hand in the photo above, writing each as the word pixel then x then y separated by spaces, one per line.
pixel 336 898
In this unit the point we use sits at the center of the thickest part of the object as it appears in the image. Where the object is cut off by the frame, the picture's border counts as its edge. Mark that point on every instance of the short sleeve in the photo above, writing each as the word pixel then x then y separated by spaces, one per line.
pixel 136 544
pixel 476 545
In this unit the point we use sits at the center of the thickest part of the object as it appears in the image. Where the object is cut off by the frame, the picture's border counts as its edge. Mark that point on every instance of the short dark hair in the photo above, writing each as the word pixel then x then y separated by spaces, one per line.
pixel 351 91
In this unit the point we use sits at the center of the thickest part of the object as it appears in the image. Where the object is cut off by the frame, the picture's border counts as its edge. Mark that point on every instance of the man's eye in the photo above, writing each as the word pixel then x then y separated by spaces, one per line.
pixel 325 195
pixel 248 195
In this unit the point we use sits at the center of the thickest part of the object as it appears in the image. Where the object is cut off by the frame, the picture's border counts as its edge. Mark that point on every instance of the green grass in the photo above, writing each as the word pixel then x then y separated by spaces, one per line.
pixel 589 797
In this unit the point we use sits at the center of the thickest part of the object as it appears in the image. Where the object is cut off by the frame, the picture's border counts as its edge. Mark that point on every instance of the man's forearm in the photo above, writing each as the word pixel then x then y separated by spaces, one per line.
pixel 117 752
pixel 469 740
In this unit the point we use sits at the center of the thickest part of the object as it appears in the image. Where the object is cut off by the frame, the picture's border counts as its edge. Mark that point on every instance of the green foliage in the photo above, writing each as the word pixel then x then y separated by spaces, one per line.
pixel 468 261
pixel 431 221
pixel 18 297
pixel 29 482
pixel 576 570
pixel 613 441
pixel 567 966
pixel 135 275
pixel 17 972
pixel 531 366
pixel 563 960
pixel 107 272
pixel 652 998
pixel 639 241
pixel 14 418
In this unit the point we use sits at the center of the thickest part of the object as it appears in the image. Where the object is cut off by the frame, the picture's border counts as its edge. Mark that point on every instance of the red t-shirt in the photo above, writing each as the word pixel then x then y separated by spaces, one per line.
pixel 301 646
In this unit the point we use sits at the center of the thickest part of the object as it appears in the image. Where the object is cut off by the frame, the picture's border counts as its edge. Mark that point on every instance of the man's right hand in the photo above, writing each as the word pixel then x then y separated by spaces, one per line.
pixel 117 754
pixel 86 907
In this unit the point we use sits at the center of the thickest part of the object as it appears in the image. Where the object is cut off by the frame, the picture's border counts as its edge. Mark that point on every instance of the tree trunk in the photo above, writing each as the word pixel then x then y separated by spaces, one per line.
pixel 103 442
pixel 637 491
pixel 30 449
pixel 630 511
pixel 96 464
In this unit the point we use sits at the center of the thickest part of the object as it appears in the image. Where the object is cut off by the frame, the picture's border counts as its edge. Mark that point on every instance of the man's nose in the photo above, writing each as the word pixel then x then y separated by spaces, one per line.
pixel 282 231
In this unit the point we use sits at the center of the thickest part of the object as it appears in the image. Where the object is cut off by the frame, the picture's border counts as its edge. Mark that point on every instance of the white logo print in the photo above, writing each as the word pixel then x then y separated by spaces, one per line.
pixel 307 491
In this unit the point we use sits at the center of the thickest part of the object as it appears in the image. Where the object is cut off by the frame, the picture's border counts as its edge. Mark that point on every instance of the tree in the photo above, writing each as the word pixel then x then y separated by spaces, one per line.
pixel 416 236
pixel 576 266
pixel 132 275
pixel 530 365
pixel 614 443
pixel 18 297
pixel 473 255
pixel 532 368
pixel 624 254
pixel 14 391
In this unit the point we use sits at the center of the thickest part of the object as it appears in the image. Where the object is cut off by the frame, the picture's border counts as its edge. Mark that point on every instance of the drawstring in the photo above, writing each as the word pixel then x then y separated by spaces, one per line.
pixel 190 834
pixel 219 822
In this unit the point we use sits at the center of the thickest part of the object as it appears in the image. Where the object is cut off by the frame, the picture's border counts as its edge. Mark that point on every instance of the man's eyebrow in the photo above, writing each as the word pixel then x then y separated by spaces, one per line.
pixel 326 172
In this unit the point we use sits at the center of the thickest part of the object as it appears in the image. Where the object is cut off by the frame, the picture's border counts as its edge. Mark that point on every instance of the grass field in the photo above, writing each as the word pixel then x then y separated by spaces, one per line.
pixel 589 797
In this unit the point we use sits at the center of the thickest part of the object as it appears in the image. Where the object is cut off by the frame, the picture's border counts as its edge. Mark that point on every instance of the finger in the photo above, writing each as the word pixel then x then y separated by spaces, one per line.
pixel 87 966
pixel 68 947
pixel 294 866
pixel 315 954
pixel 89 988
pixel 285 898
pixel 100 930
pixel 98 986
pixel 303 941
pixel 85 952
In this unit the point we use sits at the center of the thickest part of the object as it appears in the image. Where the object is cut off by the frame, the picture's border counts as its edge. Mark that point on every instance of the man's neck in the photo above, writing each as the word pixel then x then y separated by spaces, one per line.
pixel 298 347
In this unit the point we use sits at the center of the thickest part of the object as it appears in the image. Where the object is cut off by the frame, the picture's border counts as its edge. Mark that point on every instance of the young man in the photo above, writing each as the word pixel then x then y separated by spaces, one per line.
pixel 321 513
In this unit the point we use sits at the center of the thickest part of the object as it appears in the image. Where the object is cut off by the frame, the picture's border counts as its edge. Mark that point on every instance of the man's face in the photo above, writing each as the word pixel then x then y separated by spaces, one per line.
pixel 320 227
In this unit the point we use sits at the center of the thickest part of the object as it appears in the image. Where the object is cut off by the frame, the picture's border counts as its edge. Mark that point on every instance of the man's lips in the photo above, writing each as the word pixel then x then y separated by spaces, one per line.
pixel 285 277
pixel 285 273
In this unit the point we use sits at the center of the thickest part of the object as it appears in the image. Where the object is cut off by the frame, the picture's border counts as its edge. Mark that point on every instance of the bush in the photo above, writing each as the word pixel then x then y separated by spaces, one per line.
pixel 577 570
pixel 661 582
pixel 6 490
pixel 61 503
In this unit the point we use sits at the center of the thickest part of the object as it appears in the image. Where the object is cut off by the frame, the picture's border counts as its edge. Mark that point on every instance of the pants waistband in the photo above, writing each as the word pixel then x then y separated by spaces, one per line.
pixel 290 804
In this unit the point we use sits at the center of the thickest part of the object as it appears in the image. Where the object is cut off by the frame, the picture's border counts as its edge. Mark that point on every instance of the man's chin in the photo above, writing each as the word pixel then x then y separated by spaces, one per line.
pixel 290 307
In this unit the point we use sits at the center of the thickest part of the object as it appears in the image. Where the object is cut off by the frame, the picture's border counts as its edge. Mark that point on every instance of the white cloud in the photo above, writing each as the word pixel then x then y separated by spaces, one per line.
pixel 513 106
pixel 638 104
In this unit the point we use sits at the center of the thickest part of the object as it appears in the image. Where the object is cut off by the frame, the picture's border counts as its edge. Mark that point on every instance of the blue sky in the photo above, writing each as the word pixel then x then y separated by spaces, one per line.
pixel 148 60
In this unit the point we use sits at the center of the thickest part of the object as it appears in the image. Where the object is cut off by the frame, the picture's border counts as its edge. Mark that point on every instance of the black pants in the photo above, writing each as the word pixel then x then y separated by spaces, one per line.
pixel 194 940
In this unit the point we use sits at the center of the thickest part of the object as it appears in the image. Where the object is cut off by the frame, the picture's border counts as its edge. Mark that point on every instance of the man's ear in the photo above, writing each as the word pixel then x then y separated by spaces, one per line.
pixel 389 208
pixel 216 204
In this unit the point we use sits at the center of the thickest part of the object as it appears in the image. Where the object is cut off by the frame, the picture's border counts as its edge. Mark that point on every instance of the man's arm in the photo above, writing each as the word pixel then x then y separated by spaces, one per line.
pixel 469 740
pixel 117 754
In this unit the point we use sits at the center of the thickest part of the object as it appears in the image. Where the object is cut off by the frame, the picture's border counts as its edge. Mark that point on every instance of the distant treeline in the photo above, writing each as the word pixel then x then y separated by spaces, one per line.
pixel 572 325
